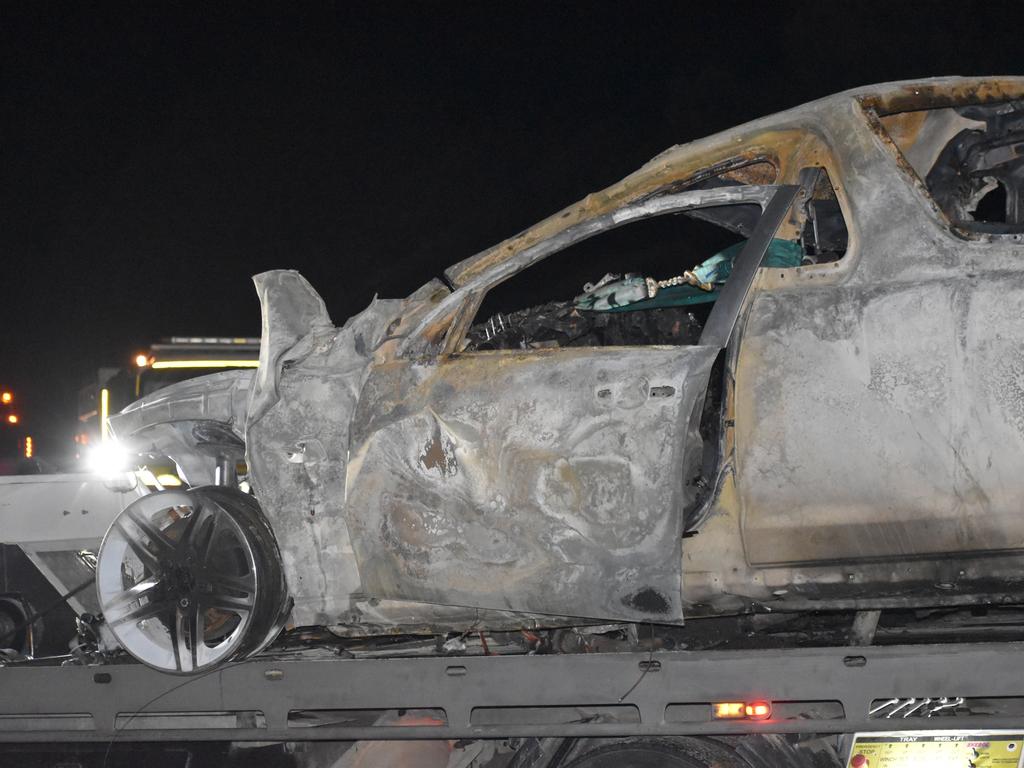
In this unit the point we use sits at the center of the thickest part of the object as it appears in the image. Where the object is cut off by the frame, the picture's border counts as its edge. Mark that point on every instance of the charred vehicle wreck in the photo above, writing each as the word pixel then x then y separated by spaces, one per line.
pixel 814 411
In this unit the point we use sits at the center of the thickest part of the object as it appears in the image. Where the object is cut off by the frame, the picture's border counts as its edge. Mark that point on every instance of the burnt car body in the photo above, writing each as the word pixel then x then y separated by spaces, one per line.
pixel 845 434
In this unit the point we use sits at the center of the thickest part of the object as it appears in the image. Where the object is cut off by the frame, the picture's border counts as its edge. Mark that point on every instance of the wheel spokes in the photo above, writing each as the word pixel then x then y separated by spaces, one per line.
pixel 221 582
pixel 191 527
pixel 202 568
pixel 141 551
pixel 174 627
pixel 215 526
pixel 185 634
pixel 142 512
pixel 196 625
pixel 240 605
pixel 155 535
pixel 151 610
pixel 144 589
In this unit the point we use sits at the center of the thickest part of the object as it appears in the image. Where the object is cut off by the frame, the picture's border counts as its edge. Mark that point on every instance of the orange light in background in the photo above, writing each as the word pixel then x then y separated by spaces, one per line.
pixel 12 418
pixel 104 413
pixel 29 448
pixel 6 398
pixel 725 710
pixel 141 360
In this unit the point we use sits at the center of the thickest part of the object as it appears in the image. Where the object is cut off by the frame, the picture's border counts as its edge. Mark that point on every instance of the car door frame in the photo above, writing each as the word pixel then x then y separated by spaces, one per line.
pixel 414 390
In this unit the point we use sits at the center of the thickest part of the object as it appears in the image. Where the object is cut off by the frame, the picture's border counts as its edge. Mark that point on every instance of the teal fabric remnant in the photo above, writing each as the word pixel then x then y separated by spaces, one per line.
pixel 628 294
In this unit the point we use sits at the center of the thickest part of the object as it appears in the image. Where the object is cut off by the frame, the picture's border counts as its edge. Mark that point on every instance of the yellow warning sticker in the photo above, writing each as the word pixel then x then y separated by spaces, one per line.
pixel 937 749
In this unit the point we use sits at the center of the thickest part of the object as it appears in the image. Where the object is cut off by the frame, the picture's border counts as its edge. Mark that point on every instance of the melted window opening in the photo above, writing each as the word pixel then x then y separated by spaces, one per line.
pixel 549 304
pixel 653 281
pixel 992 205
pixel 824 236
pixel 971 159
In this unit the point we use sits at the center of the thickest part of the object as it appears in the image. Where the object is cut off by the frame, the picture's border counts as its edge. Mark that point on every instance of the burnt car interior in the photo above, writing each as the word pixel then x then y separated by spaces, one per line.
pixel 971 159
pixel 664 250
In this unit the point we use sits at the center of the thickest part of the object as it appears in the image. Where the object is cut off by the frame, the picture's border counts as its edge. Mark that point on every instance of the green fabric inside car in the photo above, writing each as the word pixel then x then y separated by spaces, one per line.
pixel 629 293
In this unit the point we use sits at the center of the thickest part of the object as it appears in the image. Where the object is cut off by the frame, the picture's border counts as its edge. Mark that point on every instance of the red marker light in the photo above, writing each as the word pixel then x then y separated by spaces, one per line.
pixel 758 710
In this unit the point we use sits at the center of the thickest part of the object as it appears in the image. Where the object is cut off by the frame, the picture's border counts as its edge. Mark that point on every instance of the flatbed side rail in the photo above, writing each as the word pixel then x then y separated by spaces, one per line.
pixel 818 690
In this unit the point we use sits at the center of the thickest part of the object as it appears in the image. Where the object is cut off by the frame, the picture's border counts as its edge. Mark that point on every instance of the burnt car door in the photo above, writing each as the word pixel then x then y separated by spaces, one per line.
pixel 542 481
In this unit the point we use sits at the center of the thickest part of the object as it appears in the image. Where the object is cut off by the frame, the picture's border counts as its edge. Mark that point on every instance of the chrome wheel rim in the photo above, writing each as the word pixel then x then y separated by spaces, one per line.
pixel 178 579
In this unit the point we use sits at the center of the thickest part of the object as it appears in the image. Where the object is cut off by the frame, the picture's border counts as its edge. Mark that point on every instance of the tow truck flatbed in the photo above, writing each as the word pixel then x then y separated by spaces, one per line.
pixel 319 697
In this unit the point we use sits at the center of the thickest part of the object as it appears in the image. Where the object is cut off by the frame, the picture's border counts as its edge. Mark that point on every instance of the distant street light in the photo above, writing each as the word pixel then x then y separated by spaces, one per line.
pixel 12 418
pixel 6 398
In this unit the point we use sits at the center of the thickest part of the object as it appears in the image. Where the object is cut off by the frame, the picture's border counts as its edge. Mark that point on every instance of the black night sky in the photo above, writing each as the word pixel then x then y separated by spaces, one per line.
pixel 155 155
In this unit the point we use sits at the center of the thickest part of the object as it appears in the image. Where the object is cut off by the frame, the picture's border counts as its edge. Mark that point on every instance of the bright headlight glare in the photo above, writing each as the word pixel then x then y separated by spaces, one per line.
pixel 108 459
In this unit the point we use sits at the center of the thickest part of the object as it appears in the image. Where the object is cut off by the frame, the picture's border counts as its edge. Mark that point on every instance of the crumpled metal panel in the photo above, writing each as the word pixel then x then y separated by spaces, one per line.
pixel 548 481
pixel 297 436
pixel 176 421
pixel 291 308
pixel 298 456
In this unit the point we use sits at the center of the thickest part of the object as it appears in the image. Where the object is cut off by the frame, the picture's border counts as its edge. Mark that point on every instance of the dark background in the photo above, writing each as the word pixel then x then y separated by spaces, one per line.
pixel 155 155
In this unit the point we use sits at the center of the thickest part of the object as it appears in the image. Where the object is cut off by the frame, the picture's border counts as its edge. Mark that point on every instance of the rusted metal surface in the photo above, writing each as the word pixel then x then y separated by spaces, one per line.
pixel 547 481
pixel 871 437
pixel 941 92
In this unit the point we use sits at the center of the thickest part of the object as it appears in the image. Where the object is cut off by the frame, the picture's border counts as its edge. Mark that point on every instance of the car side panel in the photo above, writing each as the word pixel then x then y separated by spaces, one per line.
pixel 544 481
pixel 885 423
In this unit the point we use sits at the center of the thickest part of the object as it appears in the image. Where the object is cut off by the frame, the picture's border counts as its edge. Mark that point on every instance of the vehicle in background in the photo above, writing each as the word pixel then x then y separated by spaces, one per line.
pixel 170 361
pixel 17 443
